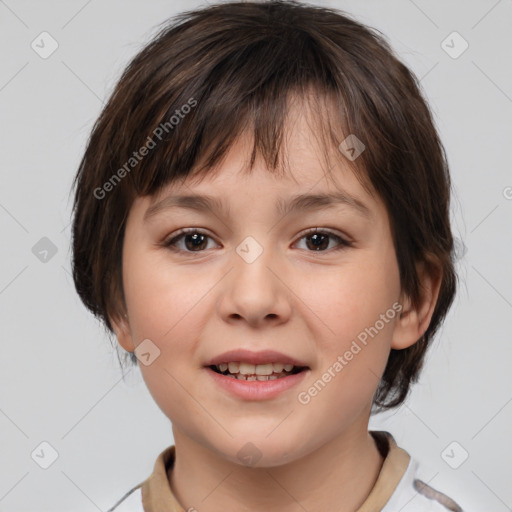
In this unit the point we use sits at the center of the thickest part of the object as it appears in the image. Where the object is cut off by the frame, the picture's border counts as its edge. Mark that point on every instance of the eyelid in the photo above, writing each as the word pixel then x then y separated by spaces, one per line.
pixel 326 230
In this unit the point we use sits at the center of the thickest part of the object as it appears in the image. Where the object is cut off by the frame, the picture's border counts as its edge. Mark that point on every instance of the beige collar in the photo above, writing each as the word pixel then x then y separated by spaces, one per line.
pixel 157 495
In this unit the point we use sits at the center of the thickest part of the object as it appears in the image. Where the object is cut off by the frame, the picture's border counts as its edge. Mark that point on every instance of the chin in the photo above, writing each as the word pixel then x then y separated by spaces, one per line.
pixel 261 450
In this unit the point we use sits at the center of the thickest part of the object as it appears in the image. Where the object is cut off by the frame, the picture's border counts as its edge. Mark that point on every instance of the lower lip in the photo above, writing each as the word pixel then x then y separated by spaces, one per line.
pixel 257 389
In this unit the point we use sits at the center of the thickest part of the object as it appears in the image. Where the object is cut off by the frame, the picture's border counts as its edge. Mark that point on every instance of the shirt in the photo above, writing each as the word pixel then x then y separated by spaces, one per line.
pixel 398 486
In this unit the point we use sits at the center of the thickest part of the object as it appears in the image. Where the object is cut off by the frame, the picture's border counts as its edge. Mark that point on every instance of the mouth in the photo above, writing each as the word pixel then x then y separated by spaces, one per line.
pixel 256 372
pixel 255 375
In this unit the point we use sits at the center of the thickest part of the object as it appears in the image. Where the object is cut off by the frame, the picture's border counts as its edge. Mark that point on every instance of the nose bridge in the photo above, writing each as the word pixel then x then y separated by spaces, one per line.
pixel 252 262
pixel 254 291
pixel 250 250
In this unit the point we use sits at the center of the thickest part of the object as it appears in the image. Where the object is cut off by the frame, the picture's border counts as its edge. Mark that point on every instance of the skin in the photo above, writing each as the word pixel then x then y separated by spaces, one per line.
pixel 305 303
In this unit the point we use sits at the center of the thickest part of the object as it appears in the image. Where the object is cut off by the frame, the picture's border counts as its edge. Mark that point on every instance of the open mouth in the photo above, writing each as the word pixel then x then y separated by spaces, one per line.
pixel 260 372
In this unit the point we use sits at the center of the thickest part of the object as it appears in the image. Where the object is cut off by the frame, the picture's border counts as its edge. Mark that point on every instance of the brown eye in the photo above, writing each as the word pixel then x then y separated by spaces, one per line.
pixel 193 241
pixel 319 241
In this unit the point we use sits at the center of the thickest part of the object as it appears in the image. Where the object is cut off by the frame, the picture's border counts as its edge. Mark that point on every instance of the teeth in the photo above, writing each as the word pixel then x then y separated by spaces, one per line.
pixel 248 371
pixel 264 369
pixel 234 367
pixel 239 376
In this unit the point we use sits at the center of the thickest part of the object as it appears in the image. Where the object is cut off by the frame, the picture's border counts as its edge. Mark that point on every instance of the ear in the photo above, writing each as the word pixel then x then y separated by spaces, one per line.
pixel 121 327
pixel 414 321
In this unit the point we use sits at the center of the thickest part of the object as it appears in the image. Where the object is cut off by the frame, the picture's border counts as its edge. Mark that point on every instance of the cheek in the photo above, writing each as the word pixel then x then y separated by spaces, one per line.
pixel 357 307
pixel 160 298
pixel 354 296
pixel 352 360
pixel 161 305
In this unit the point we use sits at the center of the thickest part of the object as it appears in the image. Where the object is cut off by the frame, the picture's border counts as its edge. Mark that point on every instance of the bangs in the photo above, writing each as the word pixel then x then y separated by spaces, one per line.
pixel 265 126
pixel 247 90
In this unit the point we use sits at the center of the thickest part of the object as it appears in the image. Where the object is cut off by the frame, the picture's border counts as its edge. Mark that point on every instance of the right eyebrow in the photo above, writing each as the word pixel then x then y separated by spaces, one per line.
pixel 192 202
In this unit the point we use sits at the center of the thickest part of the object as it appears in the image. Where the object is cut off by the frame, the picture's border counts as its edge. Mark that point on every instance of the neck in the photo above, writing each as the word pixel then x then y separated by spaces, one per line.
pixel 202 479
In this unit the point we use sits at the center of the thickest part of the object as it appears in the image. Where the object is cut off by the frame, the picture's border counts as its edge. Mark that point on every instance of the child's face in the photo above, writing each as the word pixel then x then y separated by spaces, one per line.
pixel 307 304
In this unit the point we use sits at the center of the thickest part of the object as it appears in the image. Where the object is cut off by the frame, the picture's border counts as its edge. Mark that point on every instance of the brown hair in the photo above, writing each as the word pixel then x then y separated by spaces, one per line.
pixel 212 74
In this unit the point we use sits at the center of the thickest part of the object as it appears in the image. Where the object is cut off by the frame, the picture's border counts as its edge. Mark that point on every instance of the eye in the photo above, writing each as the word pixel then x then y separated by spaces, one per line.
pixel 195 240
pixel 318 240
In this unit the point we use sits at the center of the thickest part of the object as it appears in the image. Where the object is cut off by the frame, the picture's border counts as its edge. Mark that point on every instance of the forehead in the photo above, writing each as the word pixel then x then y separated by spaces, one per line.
pixel 306 185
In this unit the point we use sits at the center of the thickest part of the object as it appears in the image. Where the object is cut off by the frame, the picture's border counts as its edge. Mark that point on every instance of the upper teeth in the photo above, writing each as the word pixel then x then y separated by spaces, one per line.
pixel 254 369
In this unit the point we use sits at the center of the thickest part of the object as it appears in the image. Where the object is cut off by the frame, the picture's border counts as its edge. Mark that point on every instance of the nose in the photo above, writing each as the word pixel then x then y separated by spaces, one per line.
pixel 254 291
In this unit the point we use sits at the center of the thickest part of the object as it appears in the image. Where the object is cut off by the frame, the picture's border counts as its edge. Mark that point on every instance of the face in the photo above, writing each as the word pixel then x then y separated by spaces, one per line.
pixel 251 277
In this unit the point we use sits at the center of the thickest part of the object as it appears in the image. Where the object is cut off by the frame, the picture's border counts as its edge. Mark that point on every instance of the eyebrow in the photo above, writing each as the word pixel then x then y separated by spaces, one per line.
pixel 203 202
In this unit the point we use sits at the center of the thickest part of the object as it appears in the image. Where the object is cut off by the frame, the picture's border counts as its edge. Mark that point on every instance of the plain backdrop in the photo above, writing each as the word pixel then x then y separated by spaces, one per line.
pixel 61 383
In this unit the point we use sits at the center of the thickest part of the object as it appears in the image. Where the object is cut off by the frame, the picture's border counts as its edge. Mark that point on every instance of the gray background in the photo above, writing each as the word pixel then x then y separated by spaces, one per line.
pixel 60 380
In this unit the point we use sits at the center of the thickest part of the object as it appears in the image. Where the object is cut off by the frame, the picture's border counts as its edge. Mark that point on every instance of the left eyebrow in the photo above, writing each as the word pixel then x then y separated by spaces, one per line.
pixel 323 200
pixel 300 202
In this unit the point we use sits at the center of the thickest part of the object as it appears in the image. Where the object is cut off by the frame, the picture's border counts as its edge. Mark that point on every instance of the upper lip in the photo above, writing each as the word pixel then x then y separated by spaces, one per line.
pixel 248 356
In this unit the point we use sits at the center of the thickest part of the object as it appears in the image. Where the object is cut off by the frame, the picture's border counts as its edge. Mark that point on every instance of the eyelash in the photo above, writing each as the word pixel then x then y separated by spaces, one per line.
pixel 171 242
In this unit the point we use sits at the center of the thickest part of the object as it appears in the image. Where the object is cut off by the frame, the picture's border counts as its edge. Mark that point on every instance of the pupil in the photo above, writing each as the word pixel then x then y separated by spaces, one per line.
pixel 196 241
pixel 316 237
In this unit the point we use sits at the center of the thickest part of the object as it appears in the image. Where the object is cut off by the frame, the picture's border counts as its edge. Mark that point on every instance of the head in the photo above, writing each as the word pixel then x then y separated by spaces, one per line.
pixel 254 104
